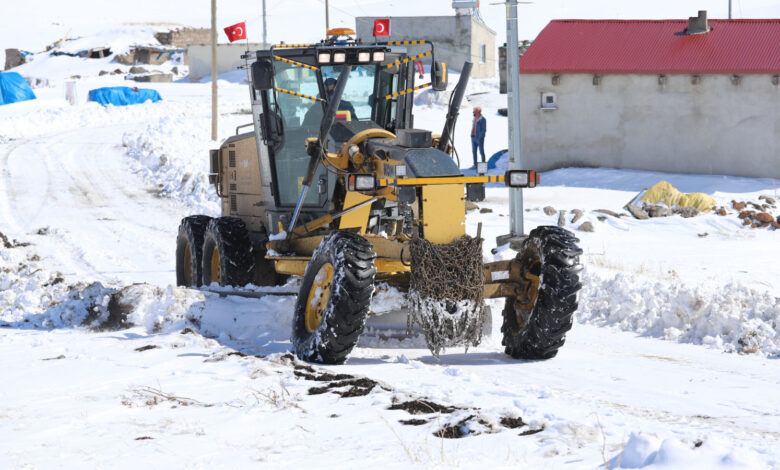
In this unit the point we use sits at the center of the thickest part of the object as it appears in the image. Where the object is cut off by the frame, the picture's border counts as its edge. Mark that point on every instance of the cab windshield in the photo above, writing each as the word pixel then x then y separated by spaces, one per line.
pixel 358 96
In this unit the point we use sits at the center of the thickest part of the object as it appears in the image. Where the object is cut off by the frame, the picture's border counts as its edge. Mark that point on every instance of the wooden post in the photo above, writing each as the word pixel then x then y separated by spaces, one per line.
pixel 214 114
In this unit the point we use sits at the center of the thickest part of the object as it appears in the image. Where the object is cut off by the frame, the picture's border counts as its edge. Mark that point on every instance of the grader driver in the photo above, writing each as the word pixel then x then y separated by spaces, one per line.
pixel 335 184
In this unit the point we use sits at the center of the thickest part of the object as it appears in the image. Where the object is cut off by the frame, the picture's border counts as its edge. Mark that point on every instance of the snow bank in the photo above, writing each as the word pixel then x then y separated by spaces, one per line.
pixel 732 317
pixel 261 324
pixel 173 155
pixel 25 287
pixel 37 122
pixel 646 451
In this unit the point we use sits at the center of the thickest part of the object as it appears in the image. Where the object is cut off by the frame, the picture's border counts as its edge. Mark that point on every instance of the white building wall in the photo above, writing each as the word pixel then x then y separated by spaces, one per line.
pixel 456 39
pixel 228 58
pixel 635 122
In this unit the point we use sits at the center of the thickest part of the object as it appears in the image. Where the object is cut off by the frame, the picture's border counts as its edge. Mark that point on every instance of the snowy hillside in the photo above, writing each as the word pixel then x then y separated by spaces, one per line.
pixel 672 361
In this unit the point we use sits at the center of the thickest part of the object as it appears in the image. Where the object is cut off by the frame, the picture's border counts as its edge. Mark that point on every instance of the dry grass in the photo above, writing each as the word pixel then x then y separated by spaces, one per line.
pixel 150 396
pixel 278 398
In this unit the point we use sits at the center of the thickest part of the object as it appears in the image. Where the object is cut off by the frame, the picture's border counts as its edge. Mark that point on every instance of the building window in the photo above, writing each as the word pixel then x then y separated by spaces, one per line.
pixel 482 54
pixel 549 101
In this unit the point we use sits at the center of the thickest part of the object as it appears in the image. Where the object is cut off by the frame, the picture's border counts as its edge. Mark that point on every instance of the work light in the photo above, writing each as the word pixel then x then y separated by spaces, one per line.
pixel 521 178
pixel 361 183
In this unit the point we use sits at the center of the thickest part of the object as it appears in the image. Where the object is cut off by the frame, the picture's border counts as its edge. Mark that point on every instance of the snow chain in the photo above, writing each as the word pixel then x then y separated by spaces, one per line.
pixel 446 295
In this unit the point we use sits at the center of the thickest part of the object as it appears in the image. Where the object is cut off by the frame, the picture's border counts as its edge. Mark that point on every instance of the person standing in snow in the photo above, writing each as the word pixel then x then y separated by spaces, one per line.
pixel 478 129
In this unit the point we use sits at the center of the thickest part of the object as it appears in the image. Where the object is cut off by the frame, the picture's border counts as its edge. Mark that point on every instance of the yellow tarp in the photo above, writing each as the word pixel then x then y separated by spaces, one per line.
pixel 664 193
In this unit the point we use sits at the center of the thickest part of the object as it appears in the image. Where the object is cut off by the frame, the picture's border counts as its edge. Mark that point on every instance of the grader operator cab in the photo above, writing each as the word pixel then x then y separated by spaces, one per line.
pixel 336 185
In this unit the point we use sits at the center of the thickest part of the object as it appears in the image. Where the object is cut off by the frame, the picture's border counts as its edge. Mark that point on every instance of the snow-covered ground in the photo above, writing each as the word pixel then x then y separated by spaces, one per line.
pixel 672 362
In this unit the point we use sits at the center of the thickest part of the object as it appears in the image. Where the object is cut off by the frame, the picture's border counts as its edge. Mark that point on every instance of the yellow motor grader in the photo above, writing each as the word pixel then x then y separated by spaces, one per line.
pixel 335 184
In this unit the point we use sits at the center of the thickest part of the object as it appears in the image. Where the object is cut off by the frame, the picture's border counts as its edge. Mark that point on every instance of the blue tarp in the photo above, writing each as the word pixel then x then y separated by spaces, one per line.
pixel 123 96
pixel 495 159
pixel 13 88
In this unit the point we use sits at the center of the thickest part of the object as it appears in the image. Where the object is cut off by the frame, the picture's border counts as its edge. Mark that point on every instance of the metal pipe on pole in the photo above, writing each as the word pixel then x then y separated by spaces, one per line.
pixel 265 30
pixel 327 17
pixel 729 9
pixel 214 70
pixel 513 103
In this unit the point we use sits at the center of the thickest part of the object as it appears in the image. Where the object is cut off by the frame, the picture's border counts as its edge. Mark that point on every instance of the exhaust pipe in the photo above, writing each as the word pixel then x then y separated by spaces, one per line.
pixel 454 109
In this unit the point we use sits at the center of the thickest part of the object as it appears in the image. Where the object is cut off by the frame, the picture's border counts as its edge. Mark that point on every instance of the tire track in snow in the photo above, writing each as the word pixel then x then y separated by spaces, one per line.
pixel 106 224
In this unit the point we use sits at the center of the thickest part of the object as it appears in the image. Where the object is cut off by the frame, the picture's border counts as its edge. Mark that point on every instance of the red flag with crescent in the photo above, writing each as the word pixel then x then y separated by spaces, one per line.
pixel 382 27
pixel 236 32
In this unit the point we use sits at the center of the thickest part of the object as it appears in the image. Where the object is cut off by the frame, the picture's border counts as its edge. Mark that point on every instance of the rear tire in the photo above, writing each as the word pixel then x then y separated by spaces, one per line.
pixel 227 253
pixel 334 299
pixel 536 330
pixel 189 250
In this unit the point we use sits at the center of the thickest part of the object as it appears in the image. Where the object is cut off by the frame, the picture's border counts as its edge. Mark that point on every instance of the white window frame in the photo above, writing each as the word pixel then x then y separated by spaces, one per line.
pixel 546 104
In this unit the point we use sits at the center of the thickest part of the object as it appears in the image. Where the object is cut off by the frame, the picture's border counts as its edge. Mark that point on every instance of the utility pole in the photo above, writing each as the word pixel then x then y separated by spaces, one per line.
pixel 213 69
pixel 327 18
pixel 729 9
pixel 513 98
pixel 265 30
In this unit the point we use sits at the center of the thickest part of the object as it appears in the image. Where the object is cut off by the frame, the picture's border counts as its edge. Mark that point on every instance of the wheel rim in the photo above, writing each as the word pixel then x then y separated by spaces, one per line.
pixel 319 295
pixel 215 275
pixel 187 265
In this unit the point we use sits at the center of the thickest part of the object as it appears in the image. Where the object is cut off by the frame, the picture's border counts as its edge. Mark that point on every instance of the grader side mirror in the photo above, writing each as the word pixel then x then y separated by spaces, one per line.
pixel 263 75
pixel 439 76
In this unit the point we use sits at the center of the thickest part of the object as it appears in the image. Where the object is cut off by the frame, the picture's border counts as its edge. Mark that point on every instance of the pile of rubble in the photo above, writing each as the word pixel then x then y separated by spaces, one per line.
pixel 647 211
pixel 757 217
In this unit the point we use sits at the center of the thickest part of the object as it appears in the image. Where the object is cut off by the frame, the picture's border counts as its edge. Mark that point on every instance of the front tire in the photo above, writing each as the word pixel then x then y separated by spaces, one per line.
pixel 536 328
pixel 227 253
pixel 334 298
pixel 189 250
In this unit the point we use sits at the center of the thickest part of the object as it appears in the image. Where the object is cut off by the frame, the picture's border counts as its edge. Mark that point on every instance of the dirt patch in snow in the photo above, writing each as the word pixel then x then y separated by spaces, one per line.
pixel 423 407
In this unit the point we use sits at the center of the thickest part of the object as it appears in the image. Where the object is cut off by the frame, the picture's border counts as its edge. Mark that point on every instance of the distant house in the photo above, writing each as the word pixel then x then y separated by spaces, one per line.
pixel 692 96
pixel 456 39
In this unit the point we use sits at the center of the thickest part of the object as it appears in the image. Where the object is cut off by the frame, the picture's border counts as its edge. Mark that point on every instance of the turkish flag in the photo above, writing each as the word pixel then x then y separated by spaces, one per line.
pixel 382 27
pixel 236 32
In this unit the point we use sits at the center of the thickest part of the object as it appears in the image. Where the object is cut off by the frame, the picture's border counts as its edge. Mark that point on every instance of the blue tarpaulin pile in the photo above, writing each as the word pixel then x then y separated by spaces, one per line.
pixel 498 160
pixel 123 96
pixel 13 88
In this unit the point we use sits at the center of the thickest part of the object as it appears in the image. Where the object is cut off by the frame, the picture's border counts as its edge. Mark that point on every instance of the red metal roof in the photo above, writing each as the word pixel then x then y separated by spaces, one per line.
pixel 655 47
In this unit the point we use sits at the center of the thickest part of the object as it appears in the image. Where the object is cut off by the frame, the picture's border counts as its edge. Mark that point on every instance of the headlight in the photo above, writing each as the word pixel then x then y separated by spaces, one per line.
pixel 339 57
pixel 482 168
pixel 400 171
pixel 323 57
pixel 361 183
pixel 379 56
pixel 364 56
pixel 521 178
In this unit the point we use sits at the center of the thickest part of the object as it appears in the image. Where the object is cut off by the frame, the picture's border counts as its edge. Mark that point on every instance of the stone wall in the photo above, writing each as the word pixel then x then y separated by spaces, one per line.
pixel 707 124
pixel 184 37
pixel 13 58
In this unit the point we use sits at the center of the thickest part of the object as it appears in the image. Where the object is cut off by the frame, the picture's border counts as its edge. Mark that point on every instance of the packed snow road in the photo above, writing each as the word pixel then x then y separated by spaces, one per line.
pixel 75 196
